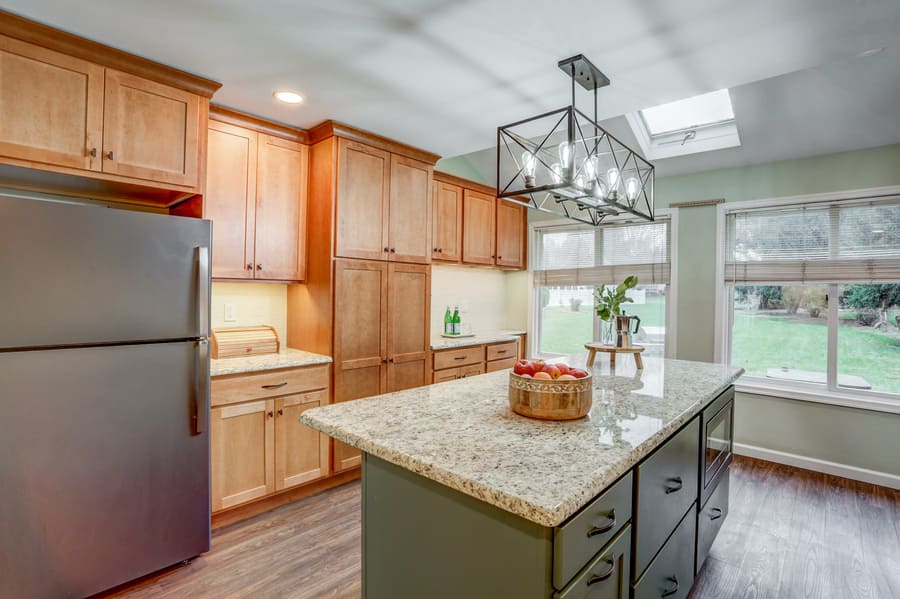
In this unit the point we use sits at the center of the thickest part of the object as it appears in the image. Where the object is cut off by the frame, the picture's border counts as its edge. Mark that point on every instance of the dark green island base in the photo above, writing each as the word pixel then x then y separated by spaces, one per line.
pixel 646 535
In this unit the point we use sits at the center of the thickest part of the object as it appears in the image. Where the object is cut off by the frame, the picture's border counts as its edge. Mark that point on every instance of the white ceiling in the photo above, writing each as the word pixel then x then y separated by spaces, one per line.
pixel 443 74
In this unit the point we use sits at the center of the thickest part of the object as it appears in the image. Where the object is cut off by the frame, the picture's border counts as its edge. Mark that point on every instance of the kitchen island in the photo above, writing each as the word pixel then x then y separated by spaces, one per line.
pixel 464 498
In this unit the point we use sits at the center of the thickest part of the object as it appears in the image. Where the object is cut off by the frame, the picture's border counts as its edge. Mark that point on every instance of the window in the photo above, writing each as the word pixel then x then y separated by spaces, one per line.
pixel 698 124
pixel 570 262
pixel 813 295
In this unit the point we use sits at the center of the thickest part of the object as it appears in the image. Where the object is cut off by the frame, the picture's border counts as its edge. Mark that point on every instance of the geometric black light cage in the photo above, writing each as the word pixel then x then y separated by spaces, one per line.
pixel 563 162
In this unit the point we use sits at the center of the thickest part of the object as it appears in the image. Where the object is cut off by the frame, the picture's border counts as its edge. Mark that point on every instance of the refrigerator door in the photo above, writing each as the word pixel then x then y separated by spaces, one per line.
pixel 83 275
pixel 104 477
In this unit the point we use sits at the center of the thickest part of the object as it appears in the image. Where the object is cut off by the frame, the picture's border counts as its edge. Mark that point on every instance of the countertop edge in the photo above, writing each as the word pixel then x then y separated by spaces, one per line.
pixel 266 362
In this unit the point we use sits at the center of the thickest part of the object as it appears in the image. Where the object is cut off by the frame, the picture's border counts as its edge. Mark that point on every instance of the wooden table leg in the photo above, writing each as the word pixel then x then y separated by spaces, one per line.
pixel 612 358
pixel 638 361
pixel 592 353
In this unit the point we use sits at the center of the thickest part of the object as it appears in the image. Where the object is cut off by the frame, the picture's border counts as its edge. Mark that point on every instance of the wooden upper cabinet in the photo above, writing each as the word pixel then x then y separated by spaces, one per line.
pixel 362 203
pixel 51 107
pixel 409 211
pixel 447 217
pixel 301 453
pixel 150 130
pixel 230 200
pixel 409 316
pixel 511 233
pixel 281 210
pixel 478 228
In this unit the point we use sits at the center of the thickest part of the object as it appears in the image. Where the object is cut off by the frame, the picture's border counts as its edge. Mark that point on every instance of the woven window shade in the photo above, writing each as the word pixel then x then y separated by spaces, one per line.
pixel 840 242
pixel 575 256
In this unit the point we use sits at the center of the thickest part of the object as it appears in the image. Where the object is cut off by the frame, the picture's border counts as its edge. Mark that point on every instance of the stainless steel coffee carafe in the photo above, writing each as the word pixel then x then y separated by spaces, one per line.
pixel 624 330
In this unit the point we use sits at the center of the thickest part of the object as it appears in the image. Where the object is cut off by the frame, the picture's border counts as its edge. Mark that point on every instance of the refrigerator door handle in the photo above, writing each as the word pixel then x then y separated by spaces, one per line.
pixel 202 254
pixel 200 419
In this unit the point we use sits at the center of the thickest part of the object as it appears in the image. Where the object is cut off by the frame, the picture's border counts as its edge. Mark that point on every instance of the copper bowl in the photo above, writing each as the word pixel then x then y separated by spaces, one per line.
pixel 564 399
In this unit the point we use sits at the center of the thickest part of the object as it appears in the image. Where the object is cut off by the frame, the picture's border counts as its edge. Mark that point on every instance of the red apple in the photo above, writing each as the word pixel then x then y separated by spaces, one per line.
pixel 525 376
pixel 552 370
pixel 542 375
pixel 563 368
pixel 523 367
pixel 578 373
pixel 538 365
pixel 566 377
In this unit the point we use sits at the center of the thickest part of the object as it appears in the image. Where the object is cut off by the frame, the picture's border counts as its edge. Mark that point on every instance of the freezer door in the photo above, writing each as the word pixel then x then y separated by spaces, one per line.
pixel 76 275
pixel 104 477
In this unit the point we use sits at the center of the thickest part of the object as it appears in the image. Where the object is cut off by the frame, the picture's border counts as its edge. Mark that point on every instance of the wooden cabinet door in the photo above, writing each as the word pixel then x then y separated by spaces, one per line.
pixel 409 317
pixel 150 130
pixel 447 217
pixel 409 211
pixel 362 201
pixel 242 458
pixel 301 453
pixel 478 228
pixel 52 106
pixel 360 338
pixel 281 210
pixel 510 235
pixel 230 200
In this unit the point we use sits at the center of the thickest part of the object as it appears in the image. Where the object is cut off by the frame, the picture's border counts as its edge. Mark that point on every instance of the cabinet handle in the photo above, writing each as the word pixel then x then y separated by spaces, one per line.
pixel 249 267
pixel 393 250
pixel 601 577
pixel 715 513
pixel 384 360
pixel 259 267
pixel 270 414
pixel 499 257
pixel 93 152
pixel 599 530
pixel 275 386
pixel 493 256
pixel 671 591
pixel 387 249
pixel 109 155
pixel 460 357
pixel 436 250
pixel 441 250
pixel 281 411
pixel 501 351
pixel 391 360
pixel 676 487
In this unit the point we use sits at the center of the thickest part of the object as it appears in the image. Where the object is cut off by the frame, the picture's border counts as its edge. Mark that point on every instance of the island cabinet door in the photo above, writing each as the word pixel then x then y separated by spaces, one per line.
pixel 360 338
pixel 478 228
pixel 409 315
pixel 362 201
pixel 301 453
pixel 409 213
pixel 242 439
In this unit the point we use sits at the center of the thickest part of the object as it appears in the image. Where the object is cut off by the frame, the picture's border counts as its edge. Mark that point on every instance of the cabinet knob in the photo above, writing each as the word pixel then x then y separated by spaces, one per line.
pixel 391 360
pixel 499 257
pixel 249 266
pixel 93 152
pixel 259 267
pixel 281 411
pixel 436 250
pixel 393 250
pixel 387 249
pixel 493 256
pixel 441 250
pixel 270 414
pixel 109 155
pixel 384 360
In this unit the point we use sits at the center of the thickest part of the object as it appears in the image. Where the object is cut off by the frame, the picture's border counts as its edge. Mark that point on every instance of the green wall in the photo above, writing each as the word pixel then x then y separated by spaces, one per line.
pixel 844 435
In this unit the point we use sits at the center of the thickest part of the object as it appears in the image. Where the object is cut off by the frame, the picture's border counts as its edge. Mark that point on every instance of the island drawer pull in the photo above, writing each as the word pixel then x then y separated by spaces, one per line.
pixel 671 591
pixel 601 577
pixel 501 351
pixel 715 513
pixel 276 386
pixel 599 530
pixel 460 357
pixel 676 487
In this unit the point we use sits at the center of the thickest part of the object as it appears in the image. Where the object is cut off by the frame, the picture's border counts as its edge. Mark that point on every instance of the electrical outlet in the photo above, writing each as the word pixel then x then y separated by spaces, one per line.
pixel 230 313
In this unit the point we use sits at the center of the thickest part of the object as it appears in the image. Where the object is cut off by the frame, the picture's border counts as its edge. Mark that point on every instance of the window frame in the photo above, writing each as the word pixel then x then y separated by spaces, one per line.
pixel 534 320
pixel 831 394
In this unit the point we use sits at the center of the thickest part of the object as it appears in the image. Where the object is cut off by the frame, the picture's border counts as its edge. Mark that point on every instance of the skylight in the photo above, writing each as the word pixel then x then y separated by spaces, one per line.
pixel 691 113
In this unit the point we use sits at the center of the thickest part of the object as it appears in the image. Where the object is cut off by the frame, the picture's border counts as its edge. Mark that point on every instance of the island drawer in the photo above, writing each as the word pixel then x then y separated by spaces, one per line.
pixel 272 383
pixel 579 539
pixel 496 365
pixel 473 370
pixel 502 351
pixel 666 484
pixel 464 356
pixel 606 576
pixel 711 518
pixel 671 574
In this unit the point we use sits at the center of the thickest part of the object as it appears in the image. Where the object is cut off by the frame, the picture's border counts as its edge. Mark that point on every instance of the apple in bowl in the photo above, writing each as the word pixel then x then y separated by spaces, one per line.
pixel 547 391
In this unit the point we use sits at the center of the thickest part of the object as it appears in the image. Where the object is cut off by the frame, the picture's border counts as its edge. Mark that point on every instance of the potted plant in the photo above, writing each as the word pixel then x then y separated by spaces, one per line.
pixel 609 305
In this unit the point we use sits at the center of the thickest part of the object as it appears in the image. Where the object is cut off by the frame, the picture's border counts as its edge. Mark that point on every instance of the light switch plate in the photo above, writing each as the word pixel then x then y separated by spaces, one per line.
pixel 230 313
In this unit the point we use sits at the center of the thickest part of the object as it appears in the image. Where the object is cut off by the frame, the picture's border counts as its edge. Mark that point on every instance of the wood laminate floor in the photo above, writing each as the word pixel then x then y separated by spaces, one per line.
pixel 790 534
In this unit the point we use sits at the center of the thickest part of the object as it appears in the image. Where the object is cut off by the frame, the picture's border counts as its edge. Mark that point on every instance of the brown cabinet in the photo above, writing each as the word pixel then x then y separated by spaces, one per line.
pixel 257 444
pixel 478 228
pixel 52 107
pixel 256 198
pixel 150 130
pixel 383 205
pixel 451 364
pixel 510 235
pixel 447 222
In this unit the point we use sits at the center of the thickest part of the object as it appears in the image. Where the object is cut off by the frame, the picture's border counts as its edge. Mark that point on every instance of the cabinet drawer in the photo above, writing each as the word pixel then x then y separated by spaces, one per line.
pixel 502 351
pixel 496 365
pixel 711 518
pixel 579 539
pixel 666 484
pixel 606 576
pixel 244 387
pixel 671 574
pixel 473 370
pixel 442 376
pixel 463 356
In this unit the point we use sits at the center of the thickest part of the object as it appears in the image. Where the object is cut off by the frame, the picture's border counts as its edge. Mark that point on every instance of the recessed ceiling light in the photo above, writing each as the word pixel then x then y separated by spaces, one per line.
pixel 871 52
pixel 288 97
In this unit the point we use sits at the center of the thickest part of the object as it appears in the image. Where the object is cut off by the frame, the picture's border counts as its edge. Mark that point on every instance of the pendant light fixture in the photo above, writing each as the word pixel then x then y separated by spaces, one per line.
pixel 564 163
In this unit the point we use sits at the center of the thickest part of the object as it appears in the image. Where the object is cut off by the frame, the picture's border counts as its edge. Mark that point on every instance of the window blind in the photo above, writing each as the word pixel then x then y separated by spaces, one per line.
pixel 839 242
pixel 573 256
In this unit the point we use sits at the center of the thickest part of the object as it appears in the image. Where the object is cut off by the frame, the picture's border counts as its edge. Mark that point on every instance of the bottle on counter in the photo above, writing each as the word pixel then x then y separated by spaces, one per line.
pixel 456 322
pixel 448 322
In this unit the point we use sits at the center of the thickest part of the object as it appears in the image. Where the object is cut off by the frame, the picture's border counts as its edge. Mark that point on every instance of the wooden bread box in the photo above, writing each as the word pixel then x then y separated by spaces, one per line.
pixel 234 342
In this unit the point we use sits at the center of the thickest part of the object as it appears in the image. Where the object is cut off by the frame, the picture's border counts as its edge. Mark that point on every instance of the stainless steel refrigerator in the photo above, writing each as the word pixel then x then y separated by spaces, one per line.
pixel 104 396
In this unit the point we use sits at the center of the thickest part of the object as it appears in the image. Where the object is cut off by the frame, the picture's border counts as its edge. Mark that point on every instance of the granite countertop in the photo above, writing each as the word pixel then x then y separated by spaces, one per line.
pixel 286 358
pixel 462 433
pixel 482 338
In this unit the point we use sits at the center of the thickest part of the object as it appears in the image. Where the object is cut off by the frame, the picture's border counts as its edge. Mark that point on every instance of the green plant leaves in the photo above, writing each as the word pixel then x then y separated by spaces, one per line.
pixel 610 300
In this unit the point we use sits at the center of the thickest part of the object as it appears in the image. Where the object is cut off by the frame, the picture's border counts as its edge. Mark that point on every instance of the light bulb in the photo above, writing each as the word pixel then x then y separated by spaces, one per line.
pixel 632 188
pixel 579 181
pixel 590 168
pixel 565 158
pixel 612 179
pixel 528 164
pixel 556 172
pixel 599 190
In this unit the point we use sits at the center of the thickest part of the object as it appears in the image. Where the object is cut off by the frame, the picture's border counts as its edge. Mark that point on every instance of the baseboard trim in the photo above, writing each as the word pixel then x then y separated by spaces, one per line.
pixel 883 479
